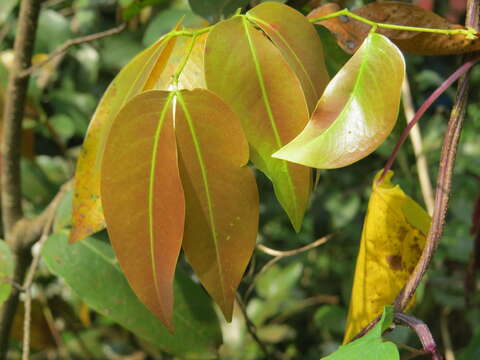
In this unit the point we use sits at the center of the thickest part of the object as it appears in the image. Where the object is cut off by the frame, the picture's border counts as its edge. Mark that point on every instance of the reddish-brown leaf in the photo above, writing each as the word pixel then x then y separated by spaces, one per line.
pixel 135 77
pixel 350 33
pixel 143 200
pixel 250 74
pixel 220 192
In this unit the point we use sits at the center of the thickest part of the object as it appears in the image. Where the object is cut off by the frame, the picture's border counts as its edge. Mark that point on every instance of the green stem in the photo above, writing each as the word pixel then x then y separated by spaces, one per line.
pixel 190 33
pixel 469 32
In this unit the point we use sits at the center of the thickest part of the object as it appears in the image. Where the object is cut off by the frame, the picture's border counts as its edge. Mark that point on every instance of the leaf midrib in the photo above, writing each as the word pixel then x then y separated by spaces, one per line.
pixel 151 188
pixel 266 101
pixel 204 173
pixel 293 53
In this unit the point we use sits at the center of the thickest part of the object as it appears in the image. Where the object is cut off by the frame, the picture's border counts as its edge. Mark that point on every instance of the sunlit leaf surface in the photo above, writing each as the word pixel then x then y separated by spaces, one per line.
pixel 143 199
pixel 92 271
pixel 220 193
pixel 192 75
pixel 136 76
pixel 251 75
pixel 356 112
pixel 393 238
pixel 298 42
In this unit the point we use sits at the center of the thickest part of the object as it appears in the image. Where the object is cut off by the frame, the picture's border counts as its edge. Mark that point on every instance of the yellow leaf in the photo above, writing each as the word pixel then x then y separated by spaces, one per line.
pixel 392 241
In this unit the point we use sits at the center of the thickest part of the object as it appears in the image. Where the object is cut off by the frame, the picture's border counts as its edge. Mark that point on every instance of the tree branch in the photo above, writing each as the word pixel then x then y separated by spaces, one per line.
pixel 13 114
pixel 77 41
pixel 444 179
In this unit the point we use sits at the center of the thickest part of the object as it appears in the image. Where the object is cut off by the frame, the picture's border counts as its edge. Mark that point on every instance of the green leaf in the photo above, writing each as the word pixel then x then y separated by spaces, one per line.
pixel 370 346
pixel 6 271
pixel 53 30
pixel 221 196
pixel 265 93
pixel 138 75
pixel 165 20
pixel 357 111
pixel 6 8
pixel 299 44
pixel 92 271
pixel 140 175
pixel 132 8
pixel 213 10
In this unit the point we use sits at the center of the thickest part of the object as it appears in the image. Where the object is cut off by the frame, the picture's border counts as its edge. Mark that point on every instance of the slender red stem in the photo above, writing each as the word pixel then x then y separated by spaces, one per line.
pixel 431 99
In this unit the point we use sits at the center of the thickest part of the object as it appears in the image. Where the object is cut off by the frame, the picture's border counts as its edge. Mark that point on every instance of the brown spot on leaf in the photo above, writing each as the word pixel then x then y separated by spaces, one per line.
pixel 395 262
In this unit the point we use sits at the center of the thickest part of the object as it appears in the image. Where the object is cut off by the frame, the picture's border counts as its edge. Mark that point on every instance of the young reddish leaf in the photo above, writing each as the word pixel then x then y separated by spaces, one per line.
pixel 299 44
pixel 143 199
pixel 220 193
pixel 350 32
pixel 135 77
pixel 392 241
pixel 356 112
pixel 264 92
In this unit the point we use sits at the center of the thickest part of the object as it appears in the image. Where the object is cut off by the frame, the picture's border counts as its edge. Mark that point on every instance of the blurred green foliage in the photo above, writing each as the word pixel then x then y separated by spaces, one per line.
pixel 299 304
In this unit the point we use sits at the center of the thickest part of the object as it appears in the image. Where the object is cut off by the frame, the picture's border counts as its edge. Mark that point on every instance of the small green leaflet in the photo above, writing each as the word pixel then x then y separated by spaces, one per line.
pixel 6 271
pixel 370 346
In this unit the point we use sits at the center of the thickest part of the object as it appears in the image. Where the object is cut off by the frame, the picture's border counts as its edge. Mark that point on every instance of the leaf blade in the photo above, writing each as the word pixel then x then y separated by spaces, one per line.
pixel 221 195
pixel 370 346
pixel 266 82
pixel 350 33
pixel 140 175
pixel 6 271
pixel 197 329
pixel 390 247
pixel 136 76
pixel 299 44
pixel 356 112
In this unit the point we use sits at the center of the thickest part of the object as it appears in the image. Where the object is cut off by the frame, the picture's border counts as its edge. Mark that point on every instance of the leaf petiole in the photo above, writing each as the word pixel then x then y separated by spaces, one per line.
pixel 469 32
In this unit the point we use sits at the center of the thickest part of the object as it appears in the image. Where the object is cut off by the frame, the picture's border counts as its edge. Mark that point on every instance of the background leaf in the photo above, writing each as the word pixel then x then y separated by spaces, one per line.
pixel 104 288
pixel 6 271
pixel 356 112
pixel 221 196
pixel 140 175
pixel 271 104
pixel 214 10
pixel 392 241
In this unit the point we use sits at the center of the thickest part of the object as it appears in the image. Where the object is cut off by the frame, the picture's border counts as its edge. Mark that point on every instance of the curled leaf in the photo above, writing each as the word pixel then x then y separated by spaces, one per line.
pixel 356 112
pixel 266 95
pixel 350 33
pixel 143 200
pixel 392 241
